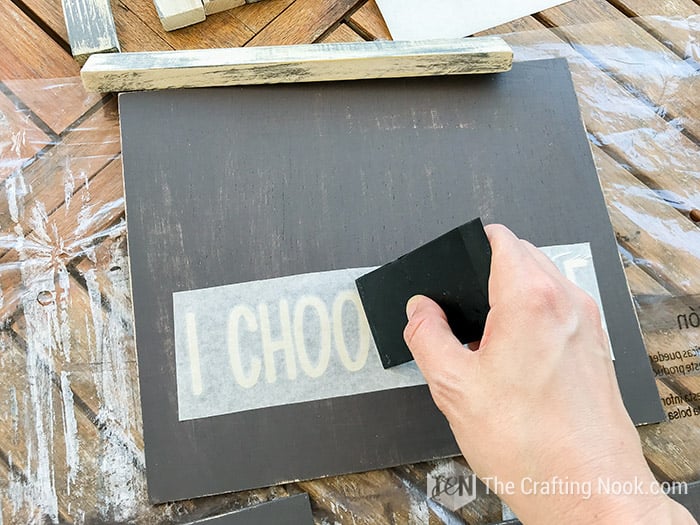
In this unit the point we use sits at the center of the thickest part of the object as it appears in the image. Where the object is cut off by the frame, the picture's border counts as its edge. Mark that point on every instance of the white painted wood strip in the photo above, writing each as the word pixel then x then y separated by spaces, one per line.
pixel 285 64
pixel 175 14
pixel 90 28
pixel 216 6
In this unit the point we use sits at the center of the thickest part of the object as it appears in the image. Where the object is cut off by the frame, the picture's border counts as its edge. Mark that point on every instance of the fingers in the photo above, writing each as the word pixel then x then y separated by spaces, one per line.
pixel 504 244
pixel 507 258
pixel 436 350
pixel 515 265
pixel 507 255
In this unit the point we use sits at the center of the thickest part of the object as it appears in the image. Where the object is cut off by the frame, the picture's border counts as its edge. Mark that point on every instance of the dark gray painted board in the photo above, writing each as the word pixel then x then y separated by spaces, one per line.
pixel 294 510
pixel 238 184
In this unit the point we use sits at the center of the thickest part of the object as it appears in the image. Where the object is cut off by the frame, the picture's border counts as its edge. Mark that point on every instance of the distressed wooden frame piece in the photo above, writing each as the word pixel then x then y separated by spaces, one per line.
pixel 216 6
pixel 91 28
pixel 299 63
pixel 176 14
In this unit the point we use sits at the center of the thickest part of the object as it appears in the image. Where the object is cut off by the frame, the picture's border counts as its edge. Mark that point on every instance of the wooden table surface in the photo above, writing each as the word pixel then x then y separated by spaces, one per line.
pixel 71 448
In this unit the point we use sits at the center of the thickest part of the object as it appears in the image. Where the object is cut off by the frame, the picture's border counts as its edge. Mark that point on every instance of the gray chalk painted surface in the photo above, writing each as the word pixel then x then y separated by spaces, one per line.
pixel 248 183
pixel 295 339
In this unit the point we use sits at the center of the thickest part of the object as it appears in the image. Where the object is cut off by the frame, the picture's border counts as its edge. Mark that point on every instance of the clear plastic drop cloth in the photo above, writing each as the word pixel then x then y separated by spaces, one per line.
pixel 71 448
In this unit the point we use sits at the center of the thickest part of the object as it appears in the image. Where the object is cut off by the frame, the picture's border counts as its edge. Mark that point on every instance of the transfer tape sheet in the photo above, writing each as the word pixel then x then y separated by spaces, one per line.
pixel 295 339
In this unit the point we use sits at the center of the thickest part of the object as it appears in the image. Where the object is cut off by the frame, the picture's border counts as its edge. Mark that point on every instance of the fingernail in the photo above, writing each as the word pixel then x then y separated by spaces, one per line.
pixel 411 306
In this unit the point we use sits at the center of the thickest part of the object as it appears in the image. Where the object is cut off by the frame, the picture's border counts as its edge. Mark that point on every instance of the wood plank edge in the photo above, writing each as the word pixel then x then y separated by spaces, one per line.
pixel 217 6
pixel 172 17
pixel 82 56
pixel 91 29
pixel 286 64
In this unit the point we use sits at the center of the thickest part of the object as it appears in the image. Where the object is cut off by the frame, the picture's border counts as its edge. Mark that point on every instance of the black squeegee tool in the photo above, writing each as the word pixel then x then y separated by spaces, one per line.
pixel 453 270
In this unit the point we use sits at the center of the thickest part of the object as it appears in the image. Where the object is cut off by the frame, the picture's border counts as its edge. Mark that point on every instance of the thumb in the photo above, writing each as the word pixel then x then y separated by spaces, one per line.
pixel 437 351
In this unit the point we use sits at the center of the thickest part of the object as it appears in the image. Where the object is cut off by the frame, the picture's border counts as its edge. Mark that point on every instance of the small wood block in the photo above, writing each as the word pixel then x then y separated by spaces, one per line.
pixel 453 270
pixel 302 63
pixel 175 14
pixel 216 6
pixel 90 28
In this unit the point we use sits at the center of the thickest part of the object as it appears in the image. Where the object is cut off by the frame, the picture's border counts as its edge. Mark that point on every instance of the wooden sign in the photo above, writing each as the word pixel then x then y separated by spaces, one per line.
pixel 250 183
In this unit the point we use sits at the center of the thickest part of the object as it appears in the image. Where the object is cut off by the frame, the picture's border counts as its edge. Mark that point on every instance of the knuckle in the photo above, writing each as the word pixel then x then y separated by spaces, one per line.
pixel 545 296
pixel 418 324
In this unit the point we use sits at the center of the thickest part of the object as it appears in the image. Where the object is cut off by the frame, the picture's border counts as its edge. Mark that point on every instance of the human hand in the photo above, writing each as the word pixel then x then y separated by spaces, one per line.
pixel 537 400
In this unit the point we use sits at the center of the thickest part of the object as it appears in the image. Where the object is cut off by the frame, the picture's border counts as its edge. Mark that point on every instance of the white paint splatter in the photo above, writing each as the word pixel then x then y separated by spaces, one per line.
pixel 39 367
pixel 14 410
pixel 418 513
pixel 70 431
pixel 79 517
pixel 20 498
pixel 15 191
pixel 47 331
pixel 122 481
pixel 64 335
pixel 68 187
